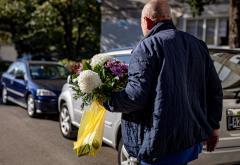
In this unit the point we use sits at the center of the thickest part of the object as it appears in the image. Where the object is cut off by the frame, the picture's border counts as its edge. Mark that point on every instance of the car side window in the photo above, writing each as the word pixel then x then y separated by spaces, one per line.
pixel 124 58
pixel 20 70
pixel 12 69
pixel 228 69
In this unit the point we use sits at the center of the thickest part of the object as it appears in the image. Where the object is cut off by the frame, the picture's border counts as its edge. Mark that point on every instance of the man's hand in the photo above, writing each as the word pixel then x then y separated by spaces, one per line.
pixel 212 141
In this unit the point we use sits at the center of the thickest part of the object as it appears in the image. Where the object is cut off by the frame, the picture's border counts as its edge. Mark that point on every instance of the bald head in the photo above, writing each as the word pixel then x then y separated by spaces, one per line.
pixel 156 10
pixel 153 12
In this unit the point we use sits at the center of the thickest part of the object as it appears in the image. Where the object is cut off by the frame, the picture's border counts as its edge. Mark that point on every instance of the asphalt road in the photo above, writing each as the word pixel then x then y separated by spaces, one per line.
pixel 26 141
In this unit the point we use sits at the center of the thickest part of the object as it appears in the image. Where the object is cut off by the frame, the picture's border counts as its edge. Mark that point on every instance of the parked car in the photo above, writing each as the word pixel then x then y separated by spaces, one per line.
pixel 228 68
pixel 34 85
pixel 3 67
pixel 36 57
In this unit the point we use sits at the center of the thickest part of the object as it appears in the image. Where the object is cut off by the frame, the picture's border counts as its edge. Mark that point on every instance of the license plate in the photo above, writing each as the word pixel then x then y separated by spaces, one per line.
pixel 233 123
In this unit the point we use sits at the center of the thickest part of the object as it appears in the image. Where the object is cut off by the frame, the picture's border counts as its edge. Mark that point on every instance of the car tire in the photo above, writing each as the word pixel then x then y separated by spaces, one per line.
pixel 67 129
pixel 123 156
pixel 4 96
pixel 31 109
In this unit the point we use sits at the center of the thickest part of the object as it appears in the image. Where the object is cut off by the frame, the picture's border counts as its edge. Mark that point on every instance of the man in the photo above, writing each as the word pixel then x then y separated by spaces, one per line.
pixel 173 100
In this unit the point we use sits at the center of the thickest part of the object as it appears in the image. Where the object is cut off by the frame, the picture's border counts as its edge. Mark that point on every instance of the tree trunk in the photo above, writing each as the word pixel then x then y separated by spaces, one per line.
pixel 234 24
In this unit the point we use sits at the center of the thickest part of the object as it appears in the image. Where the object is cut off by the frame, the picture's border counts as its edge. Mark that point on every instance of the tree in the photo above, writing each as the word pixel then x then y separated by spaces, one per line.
pixel 13 18
pixel 234 24
pixel 69 28
pixel 197 7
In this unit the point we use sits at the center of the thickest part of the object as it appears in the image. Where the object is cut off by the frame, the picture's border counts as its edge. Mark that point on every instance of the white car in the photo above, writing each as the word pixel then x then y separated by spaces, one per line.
pixel 228 149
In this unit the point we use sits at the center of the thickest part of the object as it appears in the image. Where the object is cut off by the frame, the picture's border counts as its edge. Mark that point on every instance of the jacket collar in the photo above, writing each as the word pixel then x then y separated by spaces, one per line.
pixel 162 25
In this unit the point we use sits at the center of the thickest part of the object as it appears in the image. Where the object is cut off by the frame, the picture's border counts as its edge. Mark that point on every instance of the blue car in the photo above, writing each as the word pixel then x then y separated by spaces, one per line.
pixel 3 67
pixel 34 85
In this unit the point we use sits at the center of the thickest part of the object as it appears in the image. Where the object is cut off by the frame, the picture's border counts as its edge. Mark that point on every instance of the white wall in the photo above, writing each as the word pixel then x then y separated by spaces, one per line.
pixel 120 33
pixel 8 53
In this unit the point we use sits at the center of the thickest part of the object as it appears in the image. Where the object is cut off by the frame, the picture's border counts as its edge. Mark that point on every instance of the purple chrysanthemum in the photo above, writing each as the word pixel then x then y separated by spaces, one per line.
pixel 117 68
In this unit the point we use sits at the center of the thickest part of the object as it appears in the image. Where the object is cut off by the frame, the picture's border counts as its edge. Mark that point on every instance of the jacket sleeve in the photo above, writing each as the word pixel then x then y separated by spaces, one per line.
pixel 141 77
pixel 214 97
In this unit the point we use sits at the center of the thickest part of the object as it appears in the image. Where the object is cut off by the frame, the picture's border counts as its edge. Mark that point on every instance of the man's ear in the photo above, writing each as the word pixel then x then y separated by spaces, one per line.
pixel 150 24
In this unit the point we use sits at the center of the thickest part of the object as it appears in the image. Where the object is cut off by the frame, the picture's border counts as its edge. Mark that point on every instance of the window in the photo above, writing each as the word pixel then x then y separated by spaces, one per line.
pixel 223 31
pixel 12 69
pixel 200 29
pixel 20 70
pixel 48 71
pixel 228 69
pixel 210 31
pixel 214 31
pixel 124 58
pixel 191 27
pixel 195 27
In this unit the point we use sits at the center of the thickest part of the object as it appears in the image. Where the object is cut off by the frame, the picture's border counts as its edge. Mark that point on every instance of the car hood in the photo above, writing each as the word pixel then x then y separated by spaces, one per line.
pixel 53 85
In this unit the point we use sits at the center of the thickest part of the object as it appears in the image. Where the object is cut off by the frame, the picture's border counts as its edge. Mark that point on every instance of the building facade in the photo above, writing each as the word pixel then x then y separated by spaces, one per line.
pixel 121 23
pixel 211 26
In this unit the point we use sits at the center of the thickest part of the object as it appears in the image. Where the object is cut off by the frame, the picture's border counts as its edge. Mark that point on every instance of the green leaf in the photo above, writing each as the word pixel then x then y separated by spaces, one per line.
pixel 86 65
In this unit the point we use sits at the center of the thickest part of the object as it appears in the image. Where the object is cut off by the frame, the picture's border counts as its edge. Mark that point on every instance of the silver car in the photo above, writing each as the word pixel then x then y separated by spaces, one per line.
pixel 227 63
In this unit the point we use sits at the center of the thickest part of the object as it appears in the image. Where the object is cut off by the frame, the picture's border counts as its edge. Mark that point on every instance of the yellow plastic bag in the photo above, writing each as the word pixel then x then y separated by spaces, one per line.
pixel 90 132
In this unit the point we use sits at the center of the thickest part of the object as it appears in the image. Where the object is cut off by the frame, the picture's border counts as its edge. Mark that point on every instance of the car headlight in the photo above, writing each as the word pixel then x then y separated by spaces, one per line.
pixel 45 92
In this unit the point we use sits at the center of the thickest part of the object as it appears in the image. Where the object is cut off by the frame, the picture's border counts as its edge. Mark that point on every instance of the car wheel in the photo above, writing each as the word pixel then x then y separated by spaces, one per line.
pixel 67 129
pixel 31 106
pixel 4 96
pixel 123 156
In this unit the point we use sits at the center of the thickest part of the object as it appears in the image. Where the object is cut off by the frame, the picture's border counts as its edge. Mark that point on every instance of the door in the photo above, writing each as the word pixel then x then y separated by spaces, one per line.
pixel 78 107
pixel 20 84
pixel 8 80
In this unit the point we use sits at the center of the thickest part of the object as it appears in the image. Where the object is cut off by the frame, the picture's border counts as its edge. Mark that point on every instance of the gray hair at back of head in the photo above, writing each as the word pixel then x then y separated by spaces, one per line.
pixel 157 10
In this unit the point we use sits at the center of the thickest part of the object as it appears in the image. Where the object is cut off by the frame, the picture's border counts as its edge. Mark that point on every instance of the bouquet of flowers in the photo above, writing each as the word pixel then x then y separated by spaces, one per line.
pixel 95 81
pixel 98 78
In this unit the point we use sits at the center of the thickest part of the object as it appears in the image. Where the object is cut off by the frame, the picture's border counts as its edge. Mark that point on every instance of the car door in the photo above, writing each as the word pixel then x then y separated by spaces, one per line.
pixel 7 80
pixel 113 120
pixel 20 83
pixel 78 107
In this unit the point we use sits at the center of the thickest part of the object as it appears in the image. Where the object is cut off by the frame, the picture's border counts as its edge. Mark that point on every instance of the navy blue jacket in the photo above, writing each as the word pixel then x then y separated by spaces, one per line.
pixel 173 99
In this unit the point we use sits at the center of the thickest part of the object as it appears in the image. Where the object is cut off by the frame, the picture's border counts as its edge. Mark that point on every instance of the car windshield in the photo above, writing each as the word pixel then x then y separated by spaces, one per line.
pixel 123 58
pixel 48 71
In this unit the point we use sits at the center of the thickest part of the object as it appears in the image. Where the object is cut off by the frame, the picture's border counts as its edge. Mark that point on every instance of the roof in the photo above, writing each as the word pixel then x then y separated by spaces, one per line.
pixel 40 62
pixel 118 52
pixel 211 49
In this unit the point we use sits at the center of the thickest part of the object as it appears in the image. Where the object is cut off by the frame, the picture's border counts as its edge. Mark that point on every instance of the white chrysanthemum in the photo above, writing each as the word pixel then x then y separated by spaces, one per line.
pixel 99 60
pixel 88 81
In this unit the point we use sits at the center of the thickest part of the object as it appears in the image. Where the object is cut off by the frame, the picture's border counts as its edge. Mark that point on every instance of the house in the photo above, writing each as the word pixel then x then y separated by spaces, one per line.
pixel 121 23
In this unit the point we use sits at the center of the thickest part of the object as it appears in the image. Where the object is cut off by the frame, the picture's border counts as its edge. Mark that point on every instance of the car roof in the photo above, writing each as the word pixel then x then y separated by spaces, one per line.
pixel 117 52
pixel 212 49
pixel 40 62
